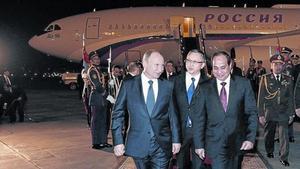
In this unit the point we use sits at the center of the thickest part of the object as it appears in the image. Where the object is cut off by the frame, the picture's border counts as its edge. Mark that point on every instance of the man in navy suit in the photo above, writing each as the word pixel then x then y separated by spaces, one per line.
pixel 185 87
pixel 226 121
pixel 154 130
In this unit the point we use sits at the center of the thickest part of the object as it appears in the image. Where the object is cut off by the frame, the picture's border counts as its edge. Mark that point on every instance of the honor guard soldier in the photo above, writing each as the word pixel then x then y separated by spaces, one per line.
pixel 297 96
pixel 98 103
pixel 289 69
pixel 275 106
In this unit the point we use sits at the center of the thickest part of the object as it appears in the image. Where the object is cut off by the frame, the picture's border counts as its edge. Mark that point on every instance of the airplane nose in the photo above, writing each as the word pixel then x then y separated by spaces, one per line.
pixel 33 42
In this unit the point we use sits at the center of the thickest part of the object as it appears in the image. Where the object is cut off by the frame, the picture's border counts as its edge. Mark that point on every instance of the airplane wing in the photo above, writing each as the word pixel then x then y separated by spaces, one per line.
pixel 290 39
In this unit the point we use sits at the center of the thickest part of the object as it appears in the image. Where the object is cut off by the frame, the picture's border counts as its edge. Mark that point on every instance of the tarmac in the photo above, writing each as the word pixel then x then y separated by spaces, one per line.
pixel 55 135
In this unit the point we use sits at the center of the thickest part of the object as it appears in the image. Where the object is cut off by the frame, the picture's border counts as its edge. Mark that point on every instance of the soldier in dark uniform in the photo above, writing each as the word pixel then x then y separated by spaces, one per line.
pixel 252 76
pixel 98 103
pixel 289 69
pixel 297 96
pixel 275 105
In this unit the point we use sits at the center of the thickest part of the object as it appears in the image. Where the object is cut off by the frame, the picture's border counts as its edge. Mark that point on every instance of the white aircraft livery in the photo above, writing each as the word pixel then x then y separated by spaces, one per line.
pixel 131 31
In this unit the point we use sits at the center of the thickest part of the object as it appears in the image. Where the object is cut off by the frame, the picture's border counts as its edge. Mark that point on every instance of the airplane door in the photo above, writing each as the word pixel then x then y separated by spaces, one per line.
pixel 188 27
pixel 92 28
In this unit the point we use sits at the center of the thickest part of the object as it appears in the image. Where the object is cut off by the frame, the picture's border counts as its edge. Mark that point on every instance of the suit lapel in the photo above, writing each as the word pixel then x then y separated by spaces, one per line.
pixel 232 92
pixel 159 95
pixel 141 94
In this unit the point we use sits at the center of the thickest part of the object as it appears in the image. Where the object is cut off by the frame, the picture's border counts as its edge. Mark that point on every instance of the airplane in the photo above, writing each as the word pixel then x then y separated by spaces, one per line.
pixel 255 32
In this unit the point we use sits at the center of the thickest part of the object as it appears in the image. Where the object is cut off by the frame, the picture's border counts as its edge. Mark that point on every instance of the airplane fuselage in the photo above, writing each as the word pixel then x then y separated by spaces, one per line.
pixel 107 27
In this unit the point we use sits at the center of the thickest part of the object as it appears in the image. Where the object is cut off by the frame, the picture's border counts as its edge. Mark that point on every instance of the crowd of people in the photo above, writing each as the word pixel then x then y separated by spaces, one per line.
pixel 156 113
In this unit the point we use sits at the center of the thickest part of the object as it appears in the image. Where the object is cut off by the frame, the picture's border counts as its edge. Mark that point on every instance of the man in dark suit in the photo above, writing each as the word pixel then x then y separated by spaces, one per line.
pixel 170 71
pixel 133 69
pixel 6 96
pixel 185 87
pixel 154 130
pixel 276 108
pixel 226 120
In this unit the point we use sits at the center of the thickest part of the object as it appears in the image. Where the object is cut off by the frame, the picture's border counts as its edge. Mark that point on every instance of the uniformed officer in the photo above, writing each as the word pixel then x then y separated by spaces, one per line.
pixel 98 103
pixel 289 69
pixel 297 96
pixel 275 105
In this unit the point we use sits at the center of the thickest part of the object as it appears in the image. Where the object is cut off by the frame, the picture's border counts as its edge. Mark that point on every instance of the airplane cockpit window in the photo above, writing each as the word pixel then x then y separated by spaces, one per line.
pixel 57 27
pixel 49 28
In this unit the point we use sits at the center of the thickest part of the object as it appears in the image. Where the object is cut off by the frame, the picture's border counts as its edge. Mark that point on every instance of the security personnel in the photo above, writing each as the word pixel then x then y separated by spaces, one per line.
pixel 289 69
pixel 275 106
pixel 98 103
pixel 6 97
pixel 297 96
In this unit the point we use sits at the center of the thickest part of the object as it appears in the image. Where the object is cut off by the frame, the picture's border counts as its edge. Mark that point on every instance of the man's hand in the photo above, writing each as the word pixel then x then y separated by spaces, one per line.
pixel 175 148
pixel 200 152
pixel 297 112
pixel 247 145
pixel 119 150
pixel 262 120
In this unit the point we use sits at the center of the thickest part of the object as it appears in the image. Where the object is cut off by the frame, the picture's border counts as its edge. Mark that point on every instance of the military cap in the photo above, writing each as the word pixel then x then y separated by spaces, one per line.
pixel 92 54
pixel 286 50
pixel 277 58
pixel 294 56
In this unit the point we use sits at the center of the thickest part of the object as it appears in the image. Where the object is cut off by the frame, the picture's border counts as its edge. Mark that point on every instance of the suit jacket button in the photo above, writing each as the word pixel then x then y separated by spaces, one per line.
pixel 148 132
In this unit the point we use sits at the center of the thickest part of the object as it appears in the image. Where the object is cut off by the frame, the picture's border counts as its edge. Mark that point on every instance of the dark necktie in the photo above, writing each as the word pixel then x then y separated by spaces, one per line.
pixel 191 90
pixel 223 96
pixel 277 78
pixel 150 101
pixel 190 93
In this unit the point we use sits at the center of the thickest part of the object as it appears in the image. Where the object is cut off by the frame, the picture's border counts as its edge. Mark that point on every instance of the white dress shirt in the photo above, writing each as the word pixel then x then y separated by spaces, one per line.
pixel 227 81
pixel 146 85
pixel 188 80
pixel 275 75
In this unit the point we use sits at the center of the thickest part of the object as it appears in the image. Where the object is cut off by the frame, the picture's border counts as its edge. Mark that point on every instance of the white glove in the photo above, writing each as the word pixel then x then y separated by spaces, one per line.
pixel 291 119
pixel 111 83
pixel 111 99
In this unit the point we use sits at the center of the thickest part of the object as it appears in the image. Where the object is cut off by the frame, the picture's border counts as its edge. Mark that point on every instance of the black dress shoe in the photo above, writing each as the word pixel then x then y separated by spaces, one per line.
pixel 98 146
pixel 291 139
pixel 270 155
pixel 285 162
pixel 107 145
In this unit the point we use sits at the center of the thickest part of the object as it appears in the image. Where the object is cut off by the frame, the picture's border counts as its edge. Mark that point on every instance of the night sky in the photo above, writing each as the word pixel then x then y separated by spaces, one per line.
pixel 22 19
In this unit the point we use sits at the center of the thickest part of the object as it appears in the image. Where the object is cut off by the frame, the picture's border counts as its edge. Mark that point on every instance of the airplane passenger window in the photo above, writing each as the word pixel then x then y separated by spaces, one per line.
pixel 49 28
pixel 57 27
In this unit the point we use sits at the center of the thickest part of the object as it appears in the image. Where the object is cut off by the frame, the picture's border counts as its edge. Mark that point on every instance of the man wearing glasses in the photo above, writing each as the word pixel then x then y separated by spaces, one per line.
pixel 185 88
